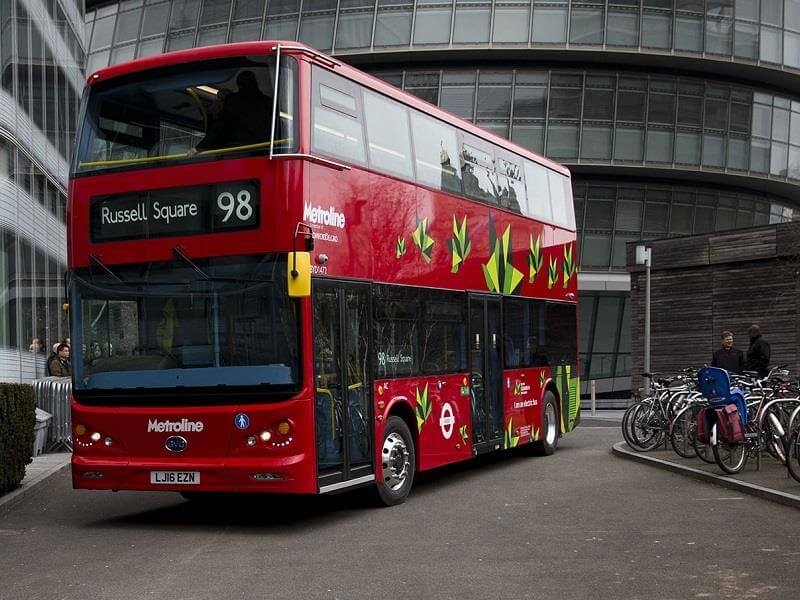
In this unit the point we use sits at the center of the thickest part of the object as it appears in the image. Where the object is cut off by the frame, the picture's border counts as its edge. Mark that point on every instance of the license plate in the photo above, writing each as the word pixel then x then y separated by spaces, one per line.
pixel 175 477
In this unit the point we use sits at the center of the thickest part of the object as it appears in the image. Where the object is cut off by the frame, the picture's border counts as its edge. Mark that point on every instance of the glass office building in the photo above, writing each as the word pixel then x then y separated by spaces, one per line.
pixel 43 56
pixel 675 116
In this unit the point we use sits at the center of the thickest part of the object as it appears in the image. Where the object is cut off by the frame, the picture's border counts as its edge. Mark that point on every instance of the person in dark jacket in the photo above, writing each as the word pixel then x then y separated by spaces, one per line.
pixel 758 352
pixel 58 365
pixel 727 357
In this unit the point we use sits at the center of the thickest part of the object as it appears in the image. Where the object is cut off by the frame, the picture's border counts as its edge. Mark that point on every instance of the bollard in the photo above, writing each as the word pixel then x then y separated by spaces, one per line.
pixel 594 398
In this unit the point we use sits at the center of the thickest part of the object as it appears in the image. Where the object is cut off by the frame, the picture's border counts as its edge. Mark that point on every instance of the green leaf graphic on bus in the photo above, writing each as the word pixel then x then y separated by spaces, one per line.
pixel 568 267
pixel 460 244
pixel 462 431
pixel 534 258
pixel 569 390
pixel 509 439
pixel 500 274
pixel 400 247
pixel 552 272
pixel 423 408
pixel 422 240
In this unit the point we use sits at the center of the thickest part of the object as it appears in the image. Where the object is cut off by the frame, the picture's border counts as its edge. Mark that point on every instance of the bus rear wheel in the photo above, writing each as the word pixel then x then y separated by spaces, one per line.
pixel 548 435
pixel 398 460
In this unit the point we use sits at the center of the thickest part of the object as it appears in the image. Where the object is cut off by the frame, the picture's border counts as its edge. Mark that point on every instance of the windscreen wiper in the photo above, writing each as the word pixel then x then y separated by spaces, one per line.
pixel 178 251
pixel 96 260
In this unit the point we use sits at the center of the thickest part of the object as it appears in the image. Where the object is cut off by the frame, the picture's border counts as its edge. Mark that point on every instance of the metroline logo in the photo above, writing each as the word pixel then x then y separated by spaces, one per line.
pixel 322 216
pixel 182 426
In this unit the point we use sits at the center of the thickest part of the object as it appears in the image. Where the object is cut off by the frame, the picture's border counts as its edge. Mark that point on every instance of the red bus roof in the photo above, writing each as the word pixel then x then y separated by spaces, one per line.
pixel 267 47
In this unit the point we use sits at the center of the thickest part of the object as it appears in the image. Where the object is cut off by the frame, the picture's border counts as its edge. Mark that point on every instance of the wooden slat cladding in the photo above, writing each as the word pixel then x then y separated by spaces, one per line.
pixel 702 285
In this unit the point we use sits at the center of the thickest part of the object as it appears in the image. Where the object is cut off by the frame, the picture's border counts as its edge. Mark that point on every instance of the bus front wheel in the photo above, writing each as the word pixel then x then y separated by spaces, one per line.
pixel 548 434
pixel 398 460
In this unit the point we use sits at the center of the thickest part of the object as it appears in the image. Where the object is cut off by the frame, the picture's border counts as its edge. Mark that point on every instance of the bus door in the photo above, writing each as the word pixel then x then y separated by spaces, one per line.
pixel 487 372
pixel 342 384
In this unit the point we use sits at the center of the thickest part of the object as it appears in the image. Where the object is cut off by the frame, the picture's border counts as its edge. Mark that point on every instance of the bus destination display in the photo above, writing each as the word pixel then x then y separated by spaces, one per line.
pixel 194 210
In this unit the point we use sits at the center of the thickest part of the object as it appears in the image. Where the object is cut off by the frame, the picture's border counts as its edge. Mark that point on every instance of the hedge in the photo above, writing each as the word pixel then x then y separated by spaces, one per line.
pixel 17 421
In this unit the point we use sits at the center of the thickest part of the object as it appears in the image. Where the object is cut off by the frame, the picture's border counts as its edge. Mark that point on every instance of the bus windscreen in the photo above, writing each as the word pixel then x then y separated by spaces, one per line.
pixel 187 112
pixel 211 323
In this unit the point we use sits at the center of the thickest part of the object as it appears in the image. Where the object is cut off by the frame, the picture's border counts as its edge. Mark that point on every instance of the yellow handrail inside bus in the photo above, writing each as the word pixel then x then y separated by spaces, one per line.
pixel 149 159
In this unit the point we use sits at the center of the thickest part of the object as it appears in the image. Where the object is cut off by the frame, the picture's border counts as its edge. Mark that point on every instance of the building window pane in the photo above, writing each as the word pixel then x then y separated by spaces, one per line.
pixel 586 26
pixel 549 25
pixel 354 30
pixel 562 141
pixel 432 25
pixel 682 218
pixel 511 24
pixel 713 150
pixel 127 26
pixel 184 14
pixel 316 30
pixel 155 19
pixel 628 144
pixel 596 142
pixel 471 25
pixel 746 40
pixel 759 155
pixel 771 45
pixel 393 26
pixel 737 154
pixel 778 158
pixel 687 148
pixel 659 145
pixel 688 33
pixel 623 27
pixel 656 30
pixel 595 250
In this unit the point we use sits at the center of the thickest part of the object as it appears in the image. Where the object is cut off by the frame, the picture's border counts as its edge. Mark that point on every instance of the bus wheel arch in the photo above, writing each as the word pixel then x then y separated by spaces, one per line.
pixel 397 460
pixel 550 429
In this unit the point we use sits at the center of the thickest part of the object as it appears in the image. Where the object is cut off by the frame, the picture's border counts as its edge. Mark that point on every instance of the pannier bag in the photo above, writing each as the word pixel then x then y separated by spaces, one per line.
pixel 703 427
pixel 729 424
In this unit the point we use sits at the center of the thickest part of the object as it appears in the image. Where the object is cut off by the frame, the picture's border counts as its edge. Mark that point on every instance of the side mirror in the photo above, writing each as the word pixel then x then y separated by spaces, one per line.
pixel 299 274
pixel 309 243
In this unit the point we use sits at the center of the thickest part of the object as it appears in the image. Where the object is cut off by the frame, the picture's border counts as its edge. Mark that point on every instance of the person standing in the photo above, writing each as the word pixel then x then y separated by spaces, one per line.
pixel 758 353
pixel 727 357
pixel 59 365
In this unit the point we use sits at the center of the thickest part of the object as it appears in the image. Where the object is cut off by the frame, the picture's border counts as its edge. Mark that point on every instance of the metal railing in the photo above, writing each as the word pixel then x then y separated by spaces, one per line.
pixel 53 395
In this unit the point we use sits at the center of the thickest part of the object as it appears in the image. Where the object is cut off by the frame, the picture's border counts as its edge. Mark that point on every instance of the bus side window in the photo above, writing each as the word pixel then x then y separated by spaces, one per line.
pixel 336 118
pixel 436 153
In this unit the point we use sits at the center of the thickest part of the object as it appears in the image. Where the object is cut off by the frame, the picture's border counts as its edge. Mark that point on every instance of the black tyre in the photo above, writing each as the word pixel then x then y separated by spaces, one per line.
pixel 398 462
pixel 731 458
pixel 548 435
pixel 681 435
pixel 793 453
pixel 640 427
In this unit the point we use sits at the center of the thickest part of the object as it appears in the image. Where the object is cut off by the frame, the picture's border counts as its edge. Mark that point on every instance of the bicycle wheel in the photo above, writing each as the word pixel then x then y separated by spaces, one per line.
pixel 731 457
pixel 793 453
pixel 646 431
pixel 704 451
pixel 775 424
pixel 681 434
pixel 627 420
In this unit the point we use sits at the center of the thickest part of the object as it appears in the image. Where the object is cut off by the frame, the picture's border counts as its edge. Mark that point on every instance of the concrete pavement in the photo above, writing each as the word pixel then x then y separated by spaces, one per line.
pixel 42 467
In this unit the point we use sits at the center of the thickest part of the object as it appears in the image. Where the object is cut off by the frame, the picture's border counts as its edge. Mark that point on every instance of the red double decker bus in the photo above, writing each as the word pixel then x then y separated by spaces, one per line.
pixel 287 276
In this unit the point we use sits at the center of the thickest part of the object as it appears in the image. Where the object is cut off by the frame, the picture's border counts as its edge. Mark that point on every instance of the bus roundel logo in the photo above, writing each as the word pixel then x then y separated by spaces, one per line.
pixel 242 421
pixel 447 420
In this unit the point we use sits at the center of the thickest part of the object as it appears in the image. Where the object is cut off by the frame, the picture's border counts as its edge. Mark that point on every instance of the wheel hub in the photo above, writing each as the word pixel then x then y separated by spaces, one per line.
pixel 394 461
pixel 550 424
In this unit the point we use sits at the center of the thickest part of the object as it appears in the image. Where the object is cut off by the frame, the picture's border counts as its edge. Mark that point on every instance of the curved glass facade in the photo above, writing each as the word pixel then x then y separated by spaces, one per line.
pixel 42 55
pixel 655 151
pixel 625 118
pixel 764 32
